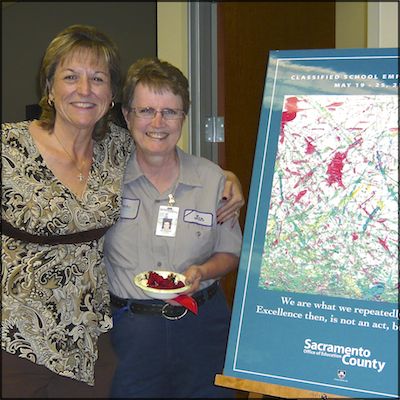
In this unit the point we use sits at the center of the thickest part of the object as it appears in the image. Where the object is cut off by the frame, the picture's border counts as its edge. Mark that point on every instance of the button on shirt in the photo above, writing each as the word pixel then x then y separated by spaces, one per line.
pixel 132 246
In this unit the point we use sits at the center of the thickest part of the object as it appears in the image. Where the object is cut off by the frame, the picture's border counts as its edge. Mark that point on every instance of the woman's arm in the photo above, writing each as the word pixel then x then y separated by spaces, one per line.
pixel 217 266
pixel 233 196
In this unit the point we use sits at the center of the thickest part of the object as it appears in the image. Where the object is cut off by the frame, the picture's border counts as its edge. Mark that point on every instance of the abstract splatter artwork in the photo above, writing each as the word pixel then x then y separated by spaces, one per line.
pixel 332 225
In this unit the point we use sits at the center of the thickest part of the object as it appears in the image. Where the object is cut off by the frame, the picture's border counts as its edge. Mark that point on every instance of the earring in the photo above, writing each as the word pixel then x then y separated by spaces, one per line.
pixel 50 102
pixel 112 104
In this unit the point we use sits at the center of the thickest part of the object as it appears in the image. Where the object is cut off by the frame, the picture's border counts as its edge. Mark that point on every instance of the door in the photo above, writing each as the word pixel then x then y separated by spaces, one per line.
pixel 246 33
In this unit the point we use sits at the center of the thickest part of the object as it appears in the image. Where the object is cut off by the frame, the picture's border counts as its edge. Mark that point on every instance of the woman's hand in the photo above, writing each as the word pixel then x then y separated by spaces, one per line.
pixel 217 266
pixel 193 277
pixel 233 197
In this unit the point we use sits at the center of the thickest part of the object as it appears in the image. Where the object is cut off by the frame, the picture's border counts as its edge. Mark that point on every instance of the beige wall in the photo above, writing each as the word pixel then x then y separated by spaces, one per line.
pixel 383 24
pixel 351 24
pixel 367 24
pixel 172 43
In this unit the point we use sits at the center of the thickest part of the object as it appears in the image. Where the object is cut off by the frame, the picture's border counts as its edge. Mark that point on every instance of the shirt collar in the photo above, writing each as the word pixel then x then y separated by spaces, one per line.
pixel 132 169
pixel 188 175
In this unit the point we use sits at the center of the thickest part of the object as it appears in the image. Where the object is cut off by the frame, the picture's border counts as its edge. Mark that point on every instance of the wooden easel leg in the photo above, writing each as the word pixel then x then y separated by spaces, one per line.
pixel 253 395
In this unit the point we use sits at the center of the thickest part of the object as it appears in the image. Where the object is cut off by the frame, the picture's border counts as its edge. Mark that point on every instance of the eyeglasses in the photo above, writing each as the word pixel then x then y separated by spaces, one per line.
pixel 150 113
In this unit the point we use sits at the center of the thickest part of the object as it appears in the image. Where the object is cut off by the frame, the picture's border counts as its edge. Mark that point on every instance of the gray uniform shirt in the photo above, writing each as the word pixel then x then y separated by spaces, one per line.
pixel 132 246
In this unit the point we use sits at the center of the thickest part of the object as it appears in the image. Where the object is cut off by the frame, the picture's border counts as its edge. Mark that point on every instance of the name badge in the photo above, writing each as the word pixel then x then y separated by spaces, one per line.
pixel 167 221
pixel 198 217
pixel 130 208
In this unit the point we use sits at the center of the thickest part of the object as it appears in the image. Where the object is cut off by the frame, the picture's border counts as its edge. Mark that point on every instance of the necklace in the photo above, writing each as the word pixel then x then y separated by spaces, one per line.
pixel 81 177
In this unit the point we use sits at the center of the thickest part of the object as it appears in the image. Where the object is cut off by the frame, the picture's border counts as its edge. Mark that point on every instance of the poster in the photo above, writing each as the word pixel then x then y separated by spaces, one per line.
pixel 316 301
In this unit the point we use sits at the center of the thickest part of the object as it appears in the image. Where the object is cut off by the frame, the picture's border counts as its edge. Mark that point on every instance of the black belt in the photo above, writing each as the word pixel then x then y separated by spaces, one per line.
pixel 165 309
pixel 71 238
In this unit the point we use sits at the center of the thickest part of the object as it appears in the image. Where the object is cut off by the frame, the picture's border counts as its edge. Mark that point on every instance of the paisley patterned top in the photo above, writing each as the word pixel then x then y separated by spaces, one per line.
pixel 55 301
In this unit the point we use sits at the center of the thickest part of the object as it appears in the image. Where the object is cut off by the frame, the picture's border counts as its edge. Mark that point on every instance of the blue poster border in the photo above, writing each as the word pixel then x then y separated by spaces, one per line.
pixel 244 358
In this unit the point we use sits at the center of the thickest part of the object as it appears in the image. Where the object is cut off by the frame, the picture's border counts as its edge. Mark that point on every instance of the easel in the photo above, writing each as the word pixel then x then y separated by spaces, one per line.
pixel 259 390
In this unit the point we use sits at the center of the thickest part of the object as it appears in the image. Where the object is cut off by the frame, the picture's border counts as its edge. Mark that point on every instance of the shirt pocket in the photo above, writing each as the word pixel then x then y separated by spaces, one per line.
pixel 196 240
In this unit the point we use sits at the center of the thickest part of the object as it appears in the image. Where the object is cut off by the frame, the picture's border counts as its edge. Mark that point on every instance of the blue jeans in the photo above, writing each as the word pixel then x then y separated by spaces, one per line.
pixel 160 358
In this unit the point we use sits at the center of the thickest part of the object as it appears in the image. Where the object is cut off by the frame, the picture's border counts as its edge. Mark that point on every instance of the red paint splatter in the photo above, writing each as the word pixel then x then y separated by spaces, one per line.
pixel 337 104
pixel 304 178
pixel 354 236
pixel 367 201
pixel 288 115
pixel 292 172
pixel 358 141
pixel 300 195
pixel 383 243
pixel 335 169
pixel 310 148
pixel 299 161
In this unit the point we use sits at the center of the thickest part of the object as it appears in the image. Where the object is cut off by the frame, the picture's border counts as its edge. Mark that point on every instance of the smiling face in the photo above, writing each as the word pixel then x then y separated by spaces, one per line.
pixel 156 136
pixel 81 91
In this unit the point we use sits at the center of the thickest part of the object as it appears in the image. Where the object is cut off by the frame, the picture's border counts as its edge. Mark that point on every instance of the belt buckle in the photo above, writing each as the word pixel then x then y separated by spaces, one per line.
pixel 164 311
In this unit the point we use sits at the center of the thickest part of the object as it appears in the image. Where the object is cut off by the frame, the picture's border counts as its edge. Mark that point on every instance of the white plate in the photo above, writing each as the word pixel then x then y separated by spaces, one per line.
pixel 140 280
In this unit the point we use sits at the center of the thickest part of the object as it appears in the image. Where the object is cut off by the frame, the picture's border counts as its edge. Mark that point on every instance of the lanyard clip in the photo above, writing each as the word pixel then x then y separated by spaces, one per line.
pixel 171 200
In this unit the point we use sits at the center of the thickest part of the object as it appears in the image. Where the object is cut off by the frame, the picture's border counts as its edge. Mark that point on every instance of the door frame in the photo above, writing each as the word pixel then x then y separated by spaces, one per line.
pixel 203 79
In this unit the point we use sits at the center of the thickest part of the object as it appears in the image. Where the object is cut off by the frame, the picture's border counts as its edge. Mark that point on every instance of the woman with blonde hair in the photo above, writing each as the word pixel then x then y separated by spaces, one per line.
pixel 61 191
